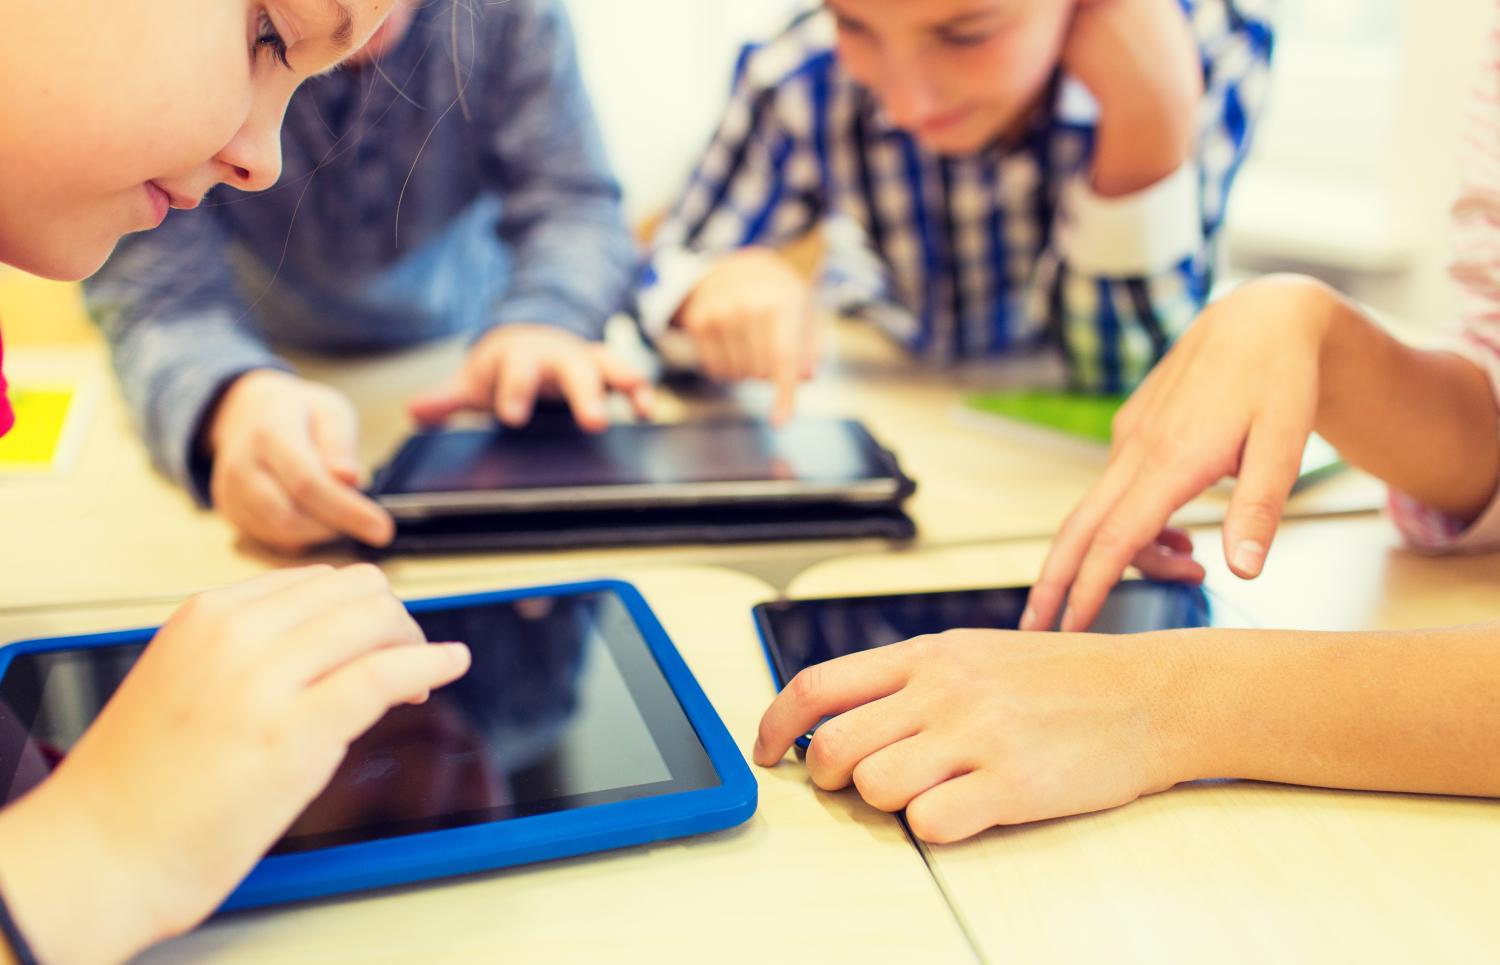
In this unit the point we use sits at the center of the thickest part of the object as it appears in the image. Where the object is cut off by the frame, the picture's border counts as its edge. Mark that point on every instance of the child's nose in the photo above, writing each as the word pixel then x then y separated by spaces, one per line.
pixel 253 157
pixel 907 96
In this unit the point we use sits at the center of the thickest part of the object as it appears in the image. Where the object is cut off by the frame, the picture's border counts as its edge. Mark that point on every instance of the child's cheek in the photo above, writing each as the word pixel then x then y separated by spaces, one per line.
pixel 858 59
pixel 1016 63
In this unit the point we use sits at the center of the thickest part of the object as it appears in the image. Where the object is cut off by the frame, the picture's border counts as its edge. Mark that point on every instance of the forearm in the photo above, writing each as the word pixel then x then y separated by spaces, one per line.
pixel 1423 421
pixel 573 268
pixel 56 873
pixel 1145 72
pixel 1413 711
pixel 573 260
pixel 1135 149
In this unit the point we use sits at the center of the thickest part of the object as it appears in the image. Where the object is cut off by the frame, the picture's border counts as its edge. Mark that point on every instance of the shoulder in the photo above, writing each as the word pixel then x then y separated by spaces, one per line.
pixel 802 51
pixel 494 33
pixel 1216 21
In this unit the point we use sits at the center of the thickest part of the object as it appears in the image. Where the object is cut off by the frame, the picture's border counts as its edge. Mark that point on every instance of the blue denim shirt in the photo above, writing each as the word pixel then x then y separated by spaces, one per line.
pixel 460 185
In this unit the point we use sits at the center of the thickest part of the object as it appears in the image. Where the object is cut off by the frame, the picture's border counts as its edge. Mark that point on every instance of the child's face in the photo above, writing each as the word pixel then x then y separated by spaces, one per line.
pixel 956 74
pixel 116 108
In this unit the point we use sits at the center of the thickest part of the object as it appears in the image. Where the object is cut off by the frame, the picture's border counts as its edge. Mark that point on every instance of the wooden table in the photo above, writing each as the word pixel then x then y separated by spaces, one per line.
pixel 1236 872
pixel 110 529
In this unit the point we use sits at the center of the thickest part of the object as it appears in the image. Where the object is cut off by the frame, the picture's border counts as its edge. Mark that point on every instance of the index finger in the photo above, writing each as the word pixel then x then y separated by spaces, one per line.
pixel 1139 516
pixel 826 690
pixel 1071 543
pixel 315 490
pixel 786 374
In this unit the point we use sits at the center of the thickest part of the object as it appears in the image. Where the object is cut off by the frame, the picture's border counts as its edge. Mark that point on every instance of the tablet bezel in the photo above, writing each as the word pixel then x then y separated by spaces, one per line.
pixel 423 856
pixel 886 490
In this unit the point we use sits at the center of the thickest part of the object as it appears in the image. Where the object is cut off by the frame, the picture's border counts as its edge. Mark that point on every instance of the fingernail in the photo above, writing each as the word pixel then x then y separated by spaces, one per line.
pixel 1249 556
pixel 1028 618
pixel 458 653
pixel 1067 621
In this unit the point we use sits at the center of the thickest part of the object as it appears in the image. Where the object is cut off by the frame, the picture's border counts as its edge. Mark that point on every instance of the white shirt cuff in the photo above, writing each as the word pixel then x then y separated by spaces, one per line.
pixel 1135 235
pixel 678 272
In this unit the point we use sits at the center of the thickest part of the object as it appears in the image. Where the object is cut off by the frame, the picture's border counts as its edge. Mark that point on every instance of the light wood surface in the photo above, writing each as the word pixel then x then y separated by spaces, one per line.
pixel 808 878
pixel 35 311
pixel 109 528
pixel 1237 872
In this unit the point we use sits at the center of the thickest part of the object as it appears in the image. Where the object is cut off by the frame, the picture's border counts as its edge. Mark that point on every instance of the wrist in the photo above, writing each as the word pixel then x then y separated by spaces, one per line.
pixel 230 399
pixel 1183 714
pixel 1206 721
pixel 58 867
pixel 1346 357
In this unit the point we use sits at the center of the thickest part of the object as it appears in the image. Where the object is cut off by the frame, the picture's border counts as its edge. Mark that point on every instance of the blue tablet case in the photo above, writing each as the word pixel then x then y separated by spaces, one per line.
pixel 502 844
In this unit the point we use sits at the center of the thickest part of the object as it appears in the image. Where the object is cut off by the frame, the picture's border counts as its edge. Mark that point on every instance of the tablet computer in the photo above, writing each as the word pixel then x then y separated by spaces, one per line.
pixel 578 728
pixel 553 465
pixel 797 634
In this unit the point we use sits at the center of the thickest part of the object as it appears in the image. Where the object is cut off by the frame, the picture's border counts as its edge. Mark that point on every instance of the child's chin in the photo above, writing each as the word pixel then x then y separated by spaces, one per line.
pixel 74 260
pixel 954 143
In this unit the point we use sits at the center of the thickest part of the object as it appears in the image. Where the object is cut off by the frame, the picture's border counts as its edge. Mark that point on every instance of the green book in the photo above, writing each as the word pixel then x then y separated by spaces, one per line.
pixel 1084 416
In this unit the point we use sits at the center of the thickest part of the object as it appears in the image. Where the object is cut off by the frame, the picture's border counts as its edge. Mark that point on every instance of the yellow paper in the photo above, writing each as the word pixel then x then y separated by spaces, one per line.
pixel 35 442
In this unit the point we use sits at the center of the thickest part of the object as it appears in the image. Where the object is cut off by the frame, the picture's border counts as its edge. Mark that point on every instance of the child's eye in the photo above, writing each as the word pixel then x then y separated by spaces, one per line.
pixel 966 40
pixel 269 39
pixel 851 27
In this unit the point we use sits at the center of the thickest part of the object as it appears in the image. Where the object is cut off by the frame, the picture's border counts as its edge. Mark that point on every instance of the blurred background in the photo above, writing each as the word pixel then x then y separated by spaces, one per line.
pixel 1351 177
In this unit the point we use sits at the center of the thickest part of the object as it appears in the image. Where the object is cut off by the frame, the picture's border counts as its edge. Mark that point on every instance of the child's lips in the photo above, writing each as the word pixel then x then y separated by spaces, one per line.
pixel 160 202
pixel 175 200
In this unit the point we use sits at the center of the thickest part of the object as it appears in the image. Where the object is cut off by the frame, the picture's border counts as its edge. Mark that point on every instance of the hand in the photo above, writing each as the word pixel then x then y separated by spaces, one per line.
pixel 752 317
pixel 976 728
pixel 511 366
pixel 231 722
pixel 285 467
pixel 1140 60
pixel 1237 396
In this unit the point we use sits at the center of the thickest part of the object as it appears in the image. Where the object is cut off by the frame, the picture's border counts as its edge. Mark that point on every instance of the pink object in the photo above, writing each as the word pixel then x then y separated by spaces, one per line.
pixel 1476 270
pixel 7 417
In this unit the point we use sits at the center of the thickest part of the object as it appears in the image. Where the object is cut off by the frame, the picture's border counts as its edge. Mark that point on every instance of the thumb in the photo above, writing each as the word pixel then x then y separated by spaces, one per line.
pixel 793 353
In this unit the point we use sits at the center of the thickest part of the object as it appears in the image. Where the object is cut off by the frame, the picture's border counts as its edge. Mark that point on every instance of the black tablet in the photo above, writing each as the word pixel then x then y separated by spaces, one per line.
pixel 553 466
pixel 797 634
pixel 577 728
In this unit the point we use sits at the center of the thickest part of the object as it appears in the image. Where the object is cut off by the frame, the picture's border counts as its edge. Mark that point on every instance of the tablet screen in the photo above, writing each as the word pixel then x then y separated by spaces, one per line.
pixel 564 707
pixel 826 452
pixel 800 633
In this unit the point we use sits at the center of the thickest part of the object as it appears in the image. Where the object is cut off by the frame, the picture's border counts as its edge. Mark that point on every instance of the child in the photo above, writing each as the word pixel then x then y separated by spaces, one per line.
pixel 977 728
pixel 241 708
pixel 451 181
pixel 1012 173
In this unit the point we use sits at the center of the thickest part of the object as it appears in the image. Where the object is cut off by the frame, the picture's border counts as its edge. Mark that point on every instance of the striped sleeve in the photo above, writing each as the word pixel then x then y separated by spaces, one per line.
pixel 1120 279
pixel 759 183
pixel 1476 271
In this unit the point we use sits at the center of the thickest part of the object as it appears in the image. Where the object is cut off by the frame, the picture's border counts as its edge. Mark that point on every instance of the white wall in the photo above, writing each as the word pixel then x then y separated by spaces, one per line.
pixel 660 72
pixel 1354 171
